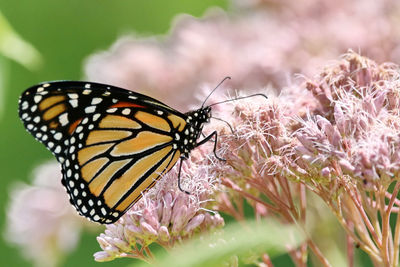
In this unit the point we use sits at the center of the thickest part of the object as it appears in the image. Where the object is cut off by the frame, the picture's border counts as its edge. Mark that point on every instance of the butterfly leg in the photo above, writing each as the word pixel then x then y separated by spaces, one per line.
pixel 206 139
pixel 209 140
pixel 179 178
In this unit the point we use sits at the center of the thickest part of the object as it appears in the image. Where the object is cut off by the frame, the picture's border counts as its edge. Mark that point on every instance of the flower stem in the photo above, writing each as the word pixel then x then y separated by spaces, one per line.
pixel 230 184
pixel 350 247
pixel 396 242
pixel 386 231
pixel 266 260
pixel 318 253
pixel 364 216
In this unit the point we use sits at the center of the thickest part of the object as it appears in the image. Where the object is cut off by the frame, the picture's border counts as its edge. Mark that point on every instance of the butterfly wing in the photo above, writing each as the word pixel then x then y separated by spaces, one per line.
pixel 110 166
pixel 113 144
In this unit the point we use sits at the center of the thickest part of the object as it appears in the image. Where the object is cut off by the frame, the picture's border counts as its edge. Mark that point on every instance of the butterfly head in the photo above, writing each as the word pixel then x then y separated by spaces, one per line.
pixel 195 122
pixel 199 117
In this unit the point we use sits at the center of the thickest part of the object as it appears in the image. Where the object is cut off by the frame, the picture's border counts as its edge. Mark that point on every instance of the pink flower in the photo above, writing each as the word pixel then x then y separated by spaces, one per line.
pixel 261 43
pixel 345 150
pixel 164 215
pixel 40 219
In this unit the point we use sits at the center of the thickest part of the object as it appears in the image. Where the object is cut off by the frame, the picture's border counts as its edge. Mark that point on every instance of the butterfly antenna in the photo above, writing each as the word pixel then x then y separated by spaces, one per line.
pixel 238 98
pixel 223 80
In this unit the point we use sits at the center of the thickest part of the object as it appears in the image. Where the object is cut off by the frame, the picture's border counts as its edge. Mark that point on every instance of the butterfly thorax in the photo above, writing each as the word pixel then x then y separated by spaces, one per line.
pixel 187 139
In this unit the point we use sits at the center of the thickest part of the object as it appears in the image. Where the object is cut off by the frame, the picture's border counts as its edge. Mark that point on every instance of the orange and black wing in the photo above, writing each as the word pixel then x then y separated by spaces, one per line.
pixel 113 144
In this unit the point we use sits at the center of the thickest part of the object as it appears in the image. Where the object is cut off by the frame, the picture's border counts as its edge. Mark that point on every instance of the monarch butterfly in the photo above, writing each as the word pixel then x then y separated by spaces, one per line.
pixel 112 144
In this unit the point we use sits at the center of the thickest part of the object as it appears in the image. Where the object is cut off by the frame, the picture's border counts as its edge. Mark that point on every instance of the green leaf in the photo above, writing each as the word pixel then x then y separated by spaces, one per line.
pixel 15 48
pixel 3 80
pixel 247 240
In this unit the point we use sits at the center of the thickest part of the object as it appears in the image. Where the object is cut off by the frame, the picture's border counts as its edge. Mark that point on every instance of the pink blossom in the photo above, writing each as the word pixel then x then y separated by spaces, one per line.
pixel 164 215
pixel 40 219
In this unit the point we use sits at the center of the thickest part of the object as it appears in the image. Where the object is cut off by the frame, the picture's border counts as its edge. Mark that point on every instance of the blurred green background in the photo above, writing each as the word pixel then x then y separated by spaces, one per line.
pixel 65 33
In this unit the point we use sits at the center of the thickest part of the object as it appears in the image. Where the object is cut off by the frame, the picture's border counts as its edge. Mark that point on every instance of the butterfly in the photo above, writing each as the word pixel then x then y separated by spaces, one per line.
pixel 113 144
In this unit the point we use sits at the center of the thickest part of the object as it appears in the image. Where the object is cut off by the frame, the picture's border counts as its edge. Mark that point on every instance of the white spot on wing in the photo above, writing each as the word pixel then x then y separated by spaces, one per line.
pixel 25 105
pixel 58 136
pixel 103 210
pixel 96 100
pixel 74 103
pixel 63 118
pixel 90 109
pixel 111 110
pixel 73 96
pixel 126 111
pixel 37 98
pixel 96 116
pixel 57 150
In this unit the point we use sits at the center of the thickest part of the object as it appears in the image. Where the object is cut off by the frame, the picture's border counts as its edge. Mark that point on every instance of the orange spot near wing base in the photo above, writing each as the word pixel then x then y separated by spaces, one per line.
pixel 122 104
pixel 73 126
pixel 54 125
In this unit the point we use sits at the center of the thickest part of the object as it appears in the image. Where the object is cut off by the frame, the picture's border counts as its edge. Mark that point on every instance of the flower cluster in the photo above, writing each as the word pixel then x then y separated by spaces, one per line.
pixel 345 150
pixel 360 125
pixel 261 43
pixel 164 215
